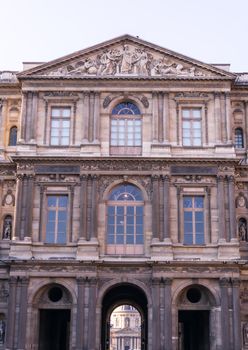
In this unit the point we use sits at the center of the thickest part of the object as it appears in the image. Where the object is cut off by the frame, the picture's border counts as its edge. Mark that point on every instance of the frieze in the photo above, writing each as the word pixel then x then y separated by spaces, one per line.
pixel 191 94
pixel 53 169
pixel 129 60
pixel 60 94
pixel 112 165
pixel 195 179
pixel 196 170
pixel 57 178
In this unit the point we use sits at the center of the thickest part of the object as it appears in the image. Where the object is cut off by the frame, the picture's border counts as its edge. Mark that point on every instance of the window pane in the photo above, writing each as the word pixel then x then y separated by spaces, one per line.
pixel 139 229
pixel 62 216
pixel 139 239
pixel 63 201
pixel 198 202
pixel 49 237
pixel 130 239
pixel 111 229
pixel 130 220
pixel 55 124
pixel 188 239
pixel 187 202
pixel 119 229
pixel 130 229
pixel 55 112
pixel 196 113
pixel 66 112
pixel 111 210
pixel 51 201
pixel 65 141
pixel 130 210
pixel 139 210
pixel 61 237
pixel 51 215
pixel 199 228
pixel 199 239
pixel 186 113
pixel 111 239
pixel 119 239
pixel 188 228
pixel 65 124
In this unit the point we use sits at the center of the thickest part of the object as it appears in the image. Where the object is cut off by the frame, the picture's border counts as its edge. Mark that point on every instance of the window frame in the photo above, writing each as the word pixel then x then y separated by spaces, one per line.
pixel 192 120
pixel 242 138
pixel 44 215
pixel 128 120
pixel 125 247
pixel 60 119
pixel 203 192
pixel 11 136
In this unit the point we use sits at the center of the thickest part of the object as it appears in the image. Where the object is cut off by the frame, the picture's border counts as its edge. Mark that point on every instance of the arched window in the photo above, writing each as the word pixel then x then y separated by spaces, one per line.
pixel 13 136
pixel 239 138
pixel 125 227
pixel 126 129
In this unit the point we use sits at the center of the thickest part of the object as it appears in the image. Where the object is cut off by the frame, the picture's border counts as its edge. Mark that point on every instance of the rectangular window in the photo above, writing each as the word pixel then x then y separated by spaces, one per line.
pixel 60 126
pixel 57 219
pixel 193 219
pixel 192 127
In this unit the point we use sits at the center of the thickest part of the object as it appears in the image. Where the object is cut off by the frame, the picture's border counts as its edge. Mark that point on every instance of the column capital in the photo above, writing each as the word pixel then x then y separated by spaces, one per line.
pixel 235 282
pixel 224 282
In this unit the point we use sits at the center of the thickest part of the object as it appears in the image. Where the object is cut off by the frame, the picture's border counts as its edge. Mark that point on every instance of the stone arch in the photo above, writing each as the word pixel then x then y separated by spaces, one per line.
pixel 115 183
pixel 118 281
pixel 119 292
pixel 38 289
pixel 125 98
pixel 215 297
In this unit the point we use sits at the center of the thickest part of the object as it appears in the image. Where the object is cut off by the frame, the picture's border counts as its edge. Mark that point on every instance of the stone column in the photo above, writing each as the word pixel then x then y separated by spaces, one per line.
pixel 3 111
pixel 232 211
pixel 41 211
pixel 166 117
pixel 179 214
pixel 161 117
pixel 246 123
pixel 19 191
pixel 166 199
pixel 206 122
pixel 155 314
pixel 24 205
pixel 155 116
pixel 23 115
pixel 217 117
pixel 83 206
pixel 92 315
pixel 228 117
pixel 94 208
pixel 177 120
pixel 236 314
pixel 22 324
pixel 71 213
pixel 86 117
pixel 89 208
pixel 221 208
pixel 209 219
pixel 10 332
pixel 224 118
pixel 45 133
pixel 86 314
pixel 161 209
pixel 91 116
pixel 29 205
pixel 28 118
pixel 96 117
pixel 34 116
pixel 225 322
pixel 168 314
pixel 155 206
pixel 80 314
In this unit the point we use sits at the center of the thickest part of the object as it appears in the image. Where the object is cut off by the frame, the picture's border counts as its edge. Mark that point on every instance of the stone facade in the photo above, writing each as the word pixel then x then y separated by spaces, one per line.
pixel 123 119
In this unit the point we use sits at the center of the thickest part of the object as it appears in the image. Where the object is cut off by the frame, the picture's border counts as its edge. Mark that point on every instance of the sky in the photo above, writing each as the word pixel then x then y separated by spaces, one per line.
pixel 212 31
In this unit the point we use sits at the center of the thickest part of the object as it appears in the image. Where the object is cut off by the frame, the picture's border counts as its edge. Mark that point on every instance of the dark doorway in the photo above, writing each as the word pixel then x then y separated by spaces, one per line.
pixel 123 294
pixel 193 330
pixel 54 331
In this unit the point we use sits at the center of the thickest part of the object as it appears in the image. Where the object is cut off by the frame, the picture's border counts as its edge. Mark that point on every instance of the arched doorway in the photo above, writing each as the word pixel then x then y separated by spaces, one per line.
pixel 121 295
pixel 54 316
pixel 195 305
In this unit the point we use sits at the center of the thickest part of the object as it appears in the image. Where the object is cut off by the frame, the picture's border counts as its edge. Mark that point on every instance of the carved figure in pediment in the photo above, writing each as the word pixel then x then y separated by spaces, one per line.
pixel 127 60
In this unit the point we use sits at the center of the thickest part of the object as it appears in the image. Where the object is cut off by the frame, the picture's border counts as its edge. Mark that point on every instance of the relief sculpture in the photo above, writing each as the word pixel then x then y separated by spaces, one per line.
pixel 128 60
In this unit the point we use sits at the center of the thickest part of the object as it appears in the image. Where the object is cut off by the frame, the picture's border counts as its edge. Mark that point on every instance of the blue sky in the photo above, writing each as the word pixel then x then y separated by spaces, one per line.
pixel 212 31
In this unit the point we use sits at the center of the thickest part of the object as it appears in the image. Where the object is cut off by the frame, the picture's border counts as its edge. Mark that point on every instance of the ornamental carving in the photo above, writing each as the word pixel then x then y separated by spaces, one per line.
pixel 241 201
pixel 192 94
pixel 129 59
pixel 60 94
pixel 9 198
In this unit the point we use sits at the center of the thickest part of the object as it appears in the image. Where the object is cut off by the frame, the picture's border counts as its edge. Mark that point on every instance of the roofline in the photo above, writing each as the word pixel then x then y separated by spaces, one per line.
pixel 121 38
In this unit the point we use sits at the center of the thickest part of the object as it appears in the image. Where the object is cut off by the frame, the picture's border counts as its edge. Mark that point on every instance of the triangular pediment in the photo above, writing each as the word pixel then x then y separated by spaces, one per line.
pixel 129 57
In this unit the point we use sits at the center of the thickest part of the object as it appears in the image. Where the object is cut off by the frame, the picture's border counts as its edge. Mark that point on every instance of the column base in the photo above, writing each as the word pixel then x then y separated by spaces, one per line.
pixel 161 250
pixel 87 250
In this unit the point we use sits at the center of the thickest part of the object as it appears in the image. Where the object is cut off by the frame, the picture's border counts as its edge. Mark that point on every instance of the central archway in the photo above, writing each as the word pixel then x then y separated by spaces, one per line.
pixel 123 294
